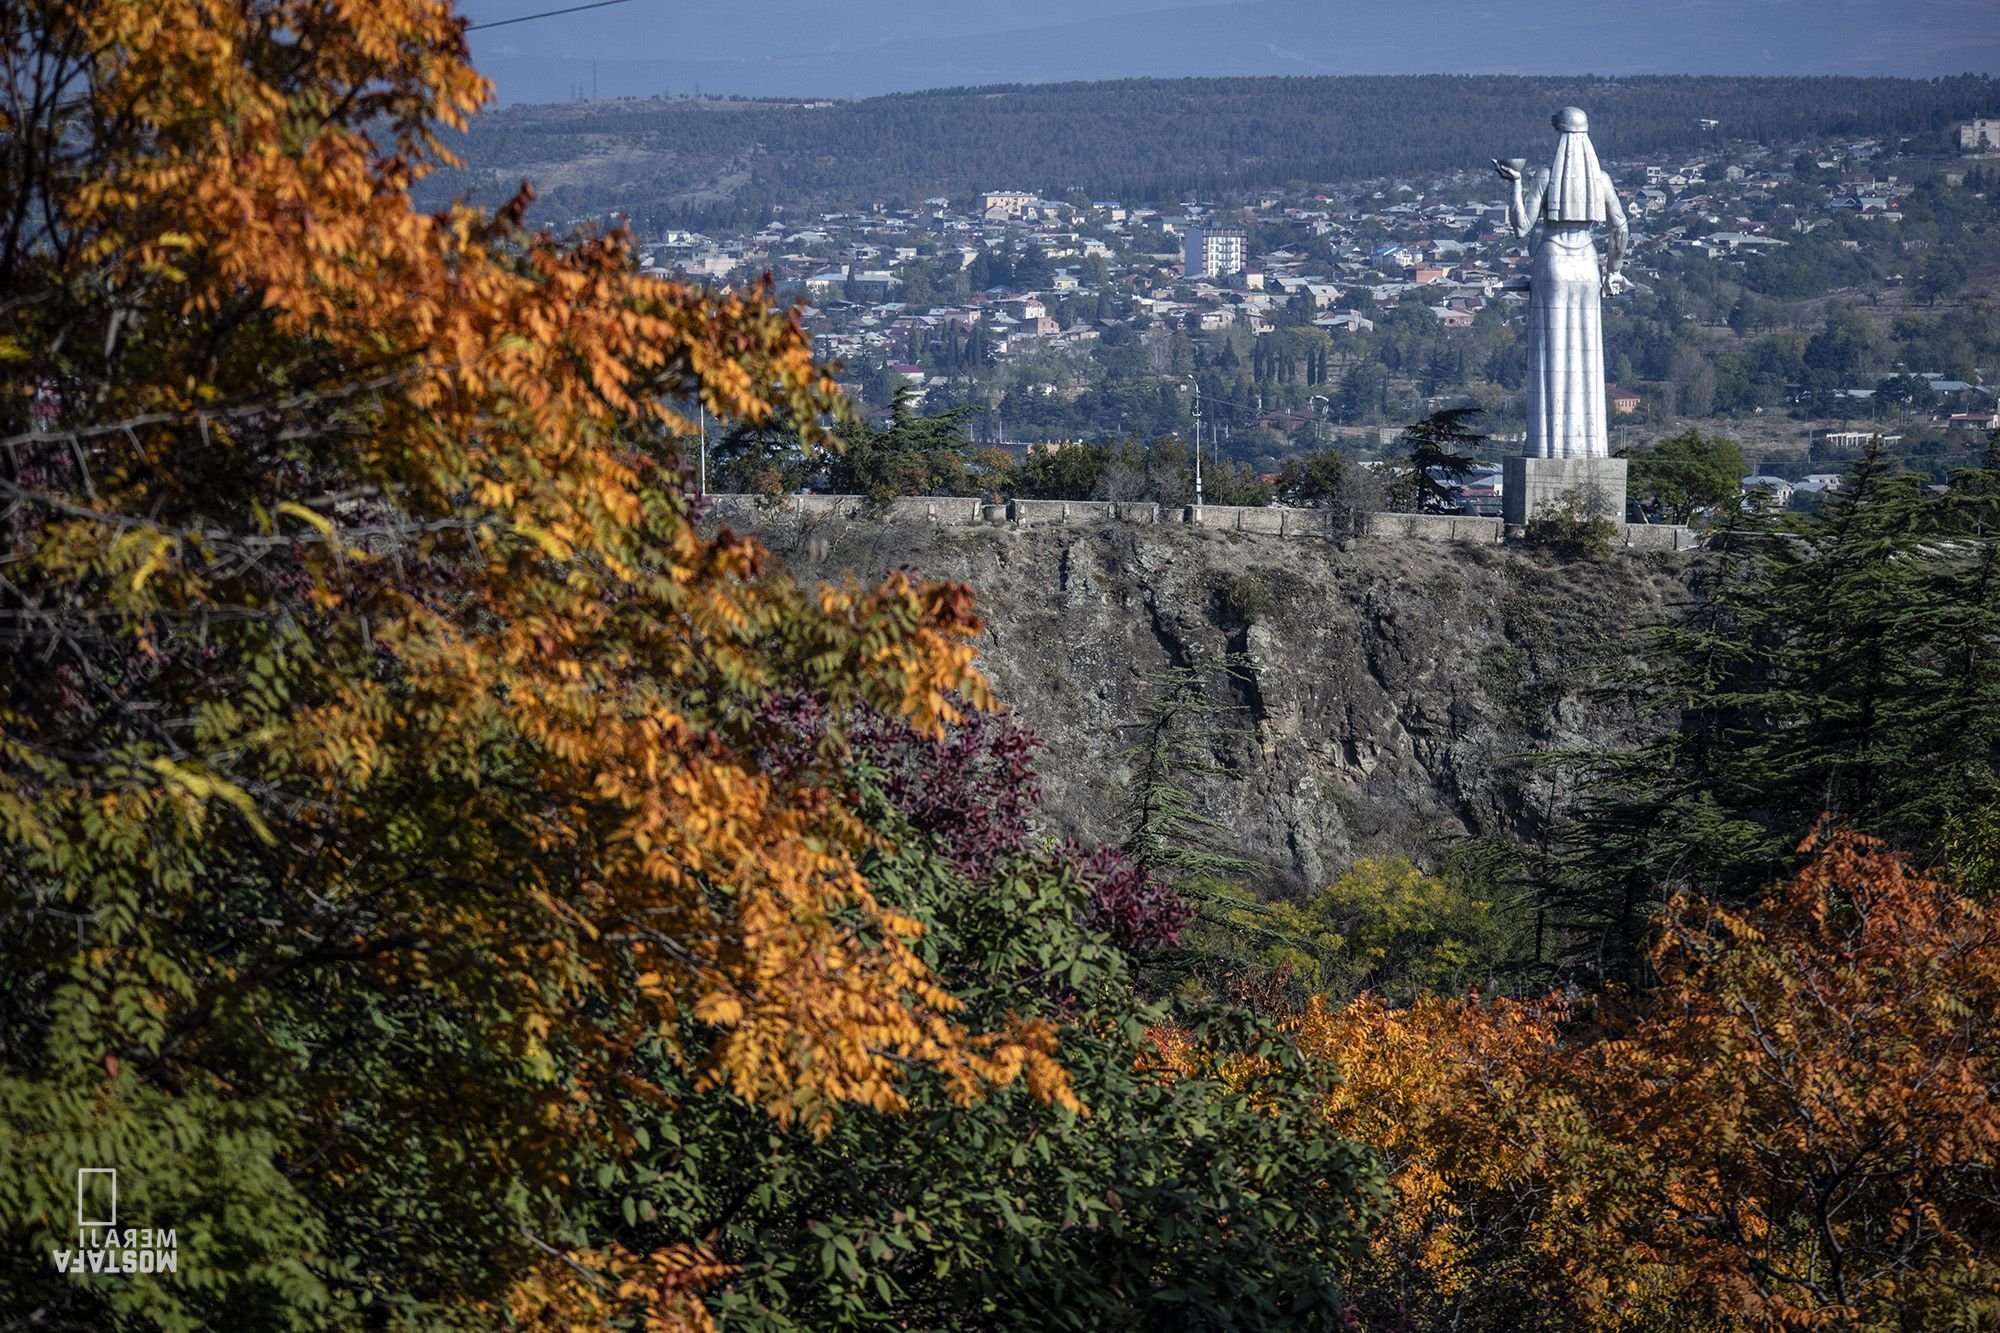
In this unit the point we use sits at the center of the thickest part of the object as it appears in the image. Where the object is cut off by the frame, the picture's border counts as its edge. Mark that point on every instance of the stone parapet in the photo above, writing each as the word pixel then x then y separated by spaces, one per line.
pixel 952 511
pixel 1034 513
pixel 1660 537
pixel 746 511
pixel 1437 528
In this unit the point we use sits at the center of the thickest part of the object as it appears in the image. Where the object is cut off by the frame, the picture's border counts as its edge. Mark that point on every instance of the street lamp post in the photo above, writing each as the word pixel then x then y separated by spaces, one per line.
pixel 1319 418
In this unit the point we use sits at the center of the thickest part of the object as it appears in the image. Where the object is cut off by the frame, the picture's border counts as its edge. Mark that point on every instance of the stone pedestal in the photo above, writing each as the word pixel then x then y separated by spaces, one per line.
pixel 1530 486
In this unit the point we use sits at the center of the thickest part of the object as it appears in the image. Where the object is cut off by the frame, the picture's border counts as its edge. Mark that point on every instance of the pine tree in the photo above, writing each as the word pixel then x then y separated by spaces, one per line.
pixel 1842 665
pixel 1167 830
pixel 1441 448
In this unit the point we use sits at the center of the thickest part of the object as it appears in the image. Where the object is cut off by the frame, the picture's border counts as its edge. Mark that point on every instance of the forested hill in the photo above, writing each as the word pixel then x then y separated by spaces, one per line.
pixel 1142 139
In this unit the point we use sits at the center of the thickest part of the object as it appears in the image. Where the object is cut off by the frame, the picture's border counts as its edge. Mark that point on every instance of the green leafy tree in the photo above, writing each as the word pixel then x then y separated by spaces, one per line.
pixel 1685 473
pixel 1904 394
pixel 1941 276
pixel 1327 479
pixel 1384 926
pixel 1228 482
pixel 1405 932
pixel 760 458
pixel 1200 1189
pixel 1071 472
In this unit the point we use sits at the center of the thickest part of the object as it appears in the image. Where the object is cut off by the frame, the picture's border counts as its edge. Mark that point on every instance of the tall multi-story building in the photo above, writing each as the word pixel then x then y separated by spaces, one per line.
pixel 1214 252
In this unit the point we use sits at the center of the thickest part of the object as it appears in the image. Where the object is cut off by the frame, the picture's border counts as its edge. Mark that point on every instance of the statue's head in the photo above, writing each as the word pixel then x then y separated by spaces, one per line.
pixel 1571 120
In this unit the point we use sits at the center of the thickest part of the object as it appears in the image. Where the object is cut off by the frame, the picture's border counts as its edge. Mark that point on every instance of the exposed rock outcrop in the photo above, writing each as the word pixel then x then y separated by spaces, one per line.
pixel 1393 695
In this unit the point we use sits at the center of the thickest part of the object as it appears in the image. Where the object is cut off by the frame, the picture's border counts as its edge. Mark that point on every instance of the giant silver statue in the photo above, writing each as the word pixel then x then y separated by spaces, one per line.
pixel 1565 326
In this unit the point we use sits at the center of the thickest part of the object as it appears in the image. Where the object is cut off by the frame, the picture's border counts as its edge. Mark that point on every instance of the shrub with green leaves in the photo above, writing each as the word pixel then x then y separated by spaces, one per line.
pixel 1574 526
pixel 1213 1199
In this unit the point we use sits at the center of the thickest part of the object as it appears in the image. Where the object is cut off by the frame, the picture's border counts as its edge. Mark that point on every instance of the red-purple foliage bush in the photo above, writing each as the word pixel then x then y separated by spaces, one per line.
pixel 1138 909
pixel 973 792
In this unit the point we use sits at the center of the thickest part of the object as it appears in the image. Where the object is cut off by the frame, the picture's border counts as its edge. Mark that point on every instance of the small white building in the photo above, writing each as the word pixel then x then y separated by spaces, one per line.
pixel 1006 203
pixel 1778 488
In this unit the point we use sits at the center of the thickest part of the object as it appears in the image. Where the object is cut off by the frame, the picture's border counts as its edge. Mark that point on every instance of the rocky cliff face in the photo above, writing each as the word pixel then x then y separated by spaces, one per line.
pixel 1394 692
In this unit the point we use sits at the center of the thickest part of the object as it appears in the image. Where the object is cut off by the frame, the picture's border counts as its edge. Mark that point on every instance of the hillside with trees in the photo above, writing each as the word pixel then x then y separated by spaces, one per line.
pixel 688 162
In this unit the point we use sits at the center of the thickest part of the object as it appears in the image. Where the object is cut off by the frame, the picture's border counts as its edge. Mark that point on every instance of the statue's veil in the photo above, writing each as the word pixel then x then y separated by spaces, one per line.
pixel 1577 187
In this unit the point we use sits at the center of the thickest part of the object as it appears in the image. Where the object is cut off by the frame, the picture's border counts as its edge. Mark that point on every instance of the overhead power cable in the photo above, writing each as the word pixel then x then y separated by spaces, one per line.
pixel 545 14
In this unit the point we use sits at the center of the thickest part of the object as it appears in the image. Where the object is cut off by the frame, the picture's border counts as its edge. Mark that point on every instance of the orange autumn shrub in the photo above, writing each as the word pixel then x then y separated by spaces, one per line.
pixel 1507 1196
pixel 1815 1087
pixel 1798 1126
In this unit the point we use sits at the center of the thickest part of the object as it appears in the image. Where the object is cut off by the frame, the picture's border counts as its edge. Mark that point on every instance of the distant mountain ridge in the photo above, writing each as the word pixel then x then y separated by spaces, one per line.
pixel 867 47
pixel 1145 138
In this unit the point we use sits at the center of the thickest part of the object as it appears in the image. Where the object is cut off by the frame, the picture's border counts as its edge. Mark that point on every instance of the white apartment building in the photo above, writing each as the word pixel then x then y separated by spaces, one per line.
pixel 1214 252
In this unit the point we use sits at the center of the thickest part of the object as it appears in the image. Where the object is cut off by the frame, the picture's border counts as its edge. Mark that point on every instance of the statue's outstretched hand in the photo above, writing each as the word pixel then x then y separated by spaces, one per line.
pixel 1507 173
pixel 1616 284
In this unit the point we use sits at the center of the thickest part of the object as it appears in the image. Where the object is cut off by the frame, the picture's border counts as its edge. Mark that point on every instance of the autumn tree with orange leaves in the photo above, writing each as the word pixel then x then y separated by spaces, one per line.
pixel 1798 1127
pixel 377 732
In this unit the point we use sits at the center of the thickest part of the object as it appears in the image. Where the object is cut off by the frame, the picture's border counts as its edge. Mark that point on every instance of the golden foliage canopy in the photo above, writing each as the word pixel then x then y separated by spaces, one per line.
pixel 366 670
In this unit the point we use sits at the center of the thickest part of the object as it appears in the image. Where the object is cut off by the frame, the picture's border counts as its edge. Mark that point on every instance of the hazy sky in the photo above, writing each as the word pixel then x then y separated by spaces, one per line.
pixel 857 47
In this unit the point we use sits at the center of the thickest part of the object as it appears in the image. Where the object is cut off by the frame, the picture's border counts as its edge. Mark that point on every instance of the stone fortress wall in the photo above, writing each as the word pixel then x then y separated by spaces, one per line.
pixel 751 511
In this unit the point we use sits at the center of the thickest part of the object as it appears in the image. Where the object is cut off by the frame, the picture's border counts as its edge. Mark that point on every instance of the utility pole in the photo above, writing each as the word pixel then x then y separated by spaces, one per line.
pixel 1197 444
pixel 701 410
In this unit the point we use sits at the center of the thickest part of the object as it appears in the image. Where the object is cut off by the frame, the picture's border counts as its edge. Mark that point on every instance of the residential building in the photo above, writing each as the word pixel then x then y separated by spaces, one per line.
pixel 1214 252
pixel 1006 203
pixel 1779 489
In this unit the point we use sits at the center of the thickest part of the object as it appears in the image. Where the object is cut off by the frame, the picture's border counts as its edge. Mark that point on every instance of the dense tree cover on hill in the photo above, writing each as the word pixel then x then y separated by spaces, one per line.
pixel 453 892
pixel 1151 139
pixel 1708 337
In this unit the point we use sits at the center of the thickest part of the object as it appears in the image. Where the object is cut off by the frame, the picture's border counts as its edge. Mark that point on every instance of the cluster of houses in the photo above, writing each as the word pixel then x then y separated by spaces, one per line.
pixel 881 281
